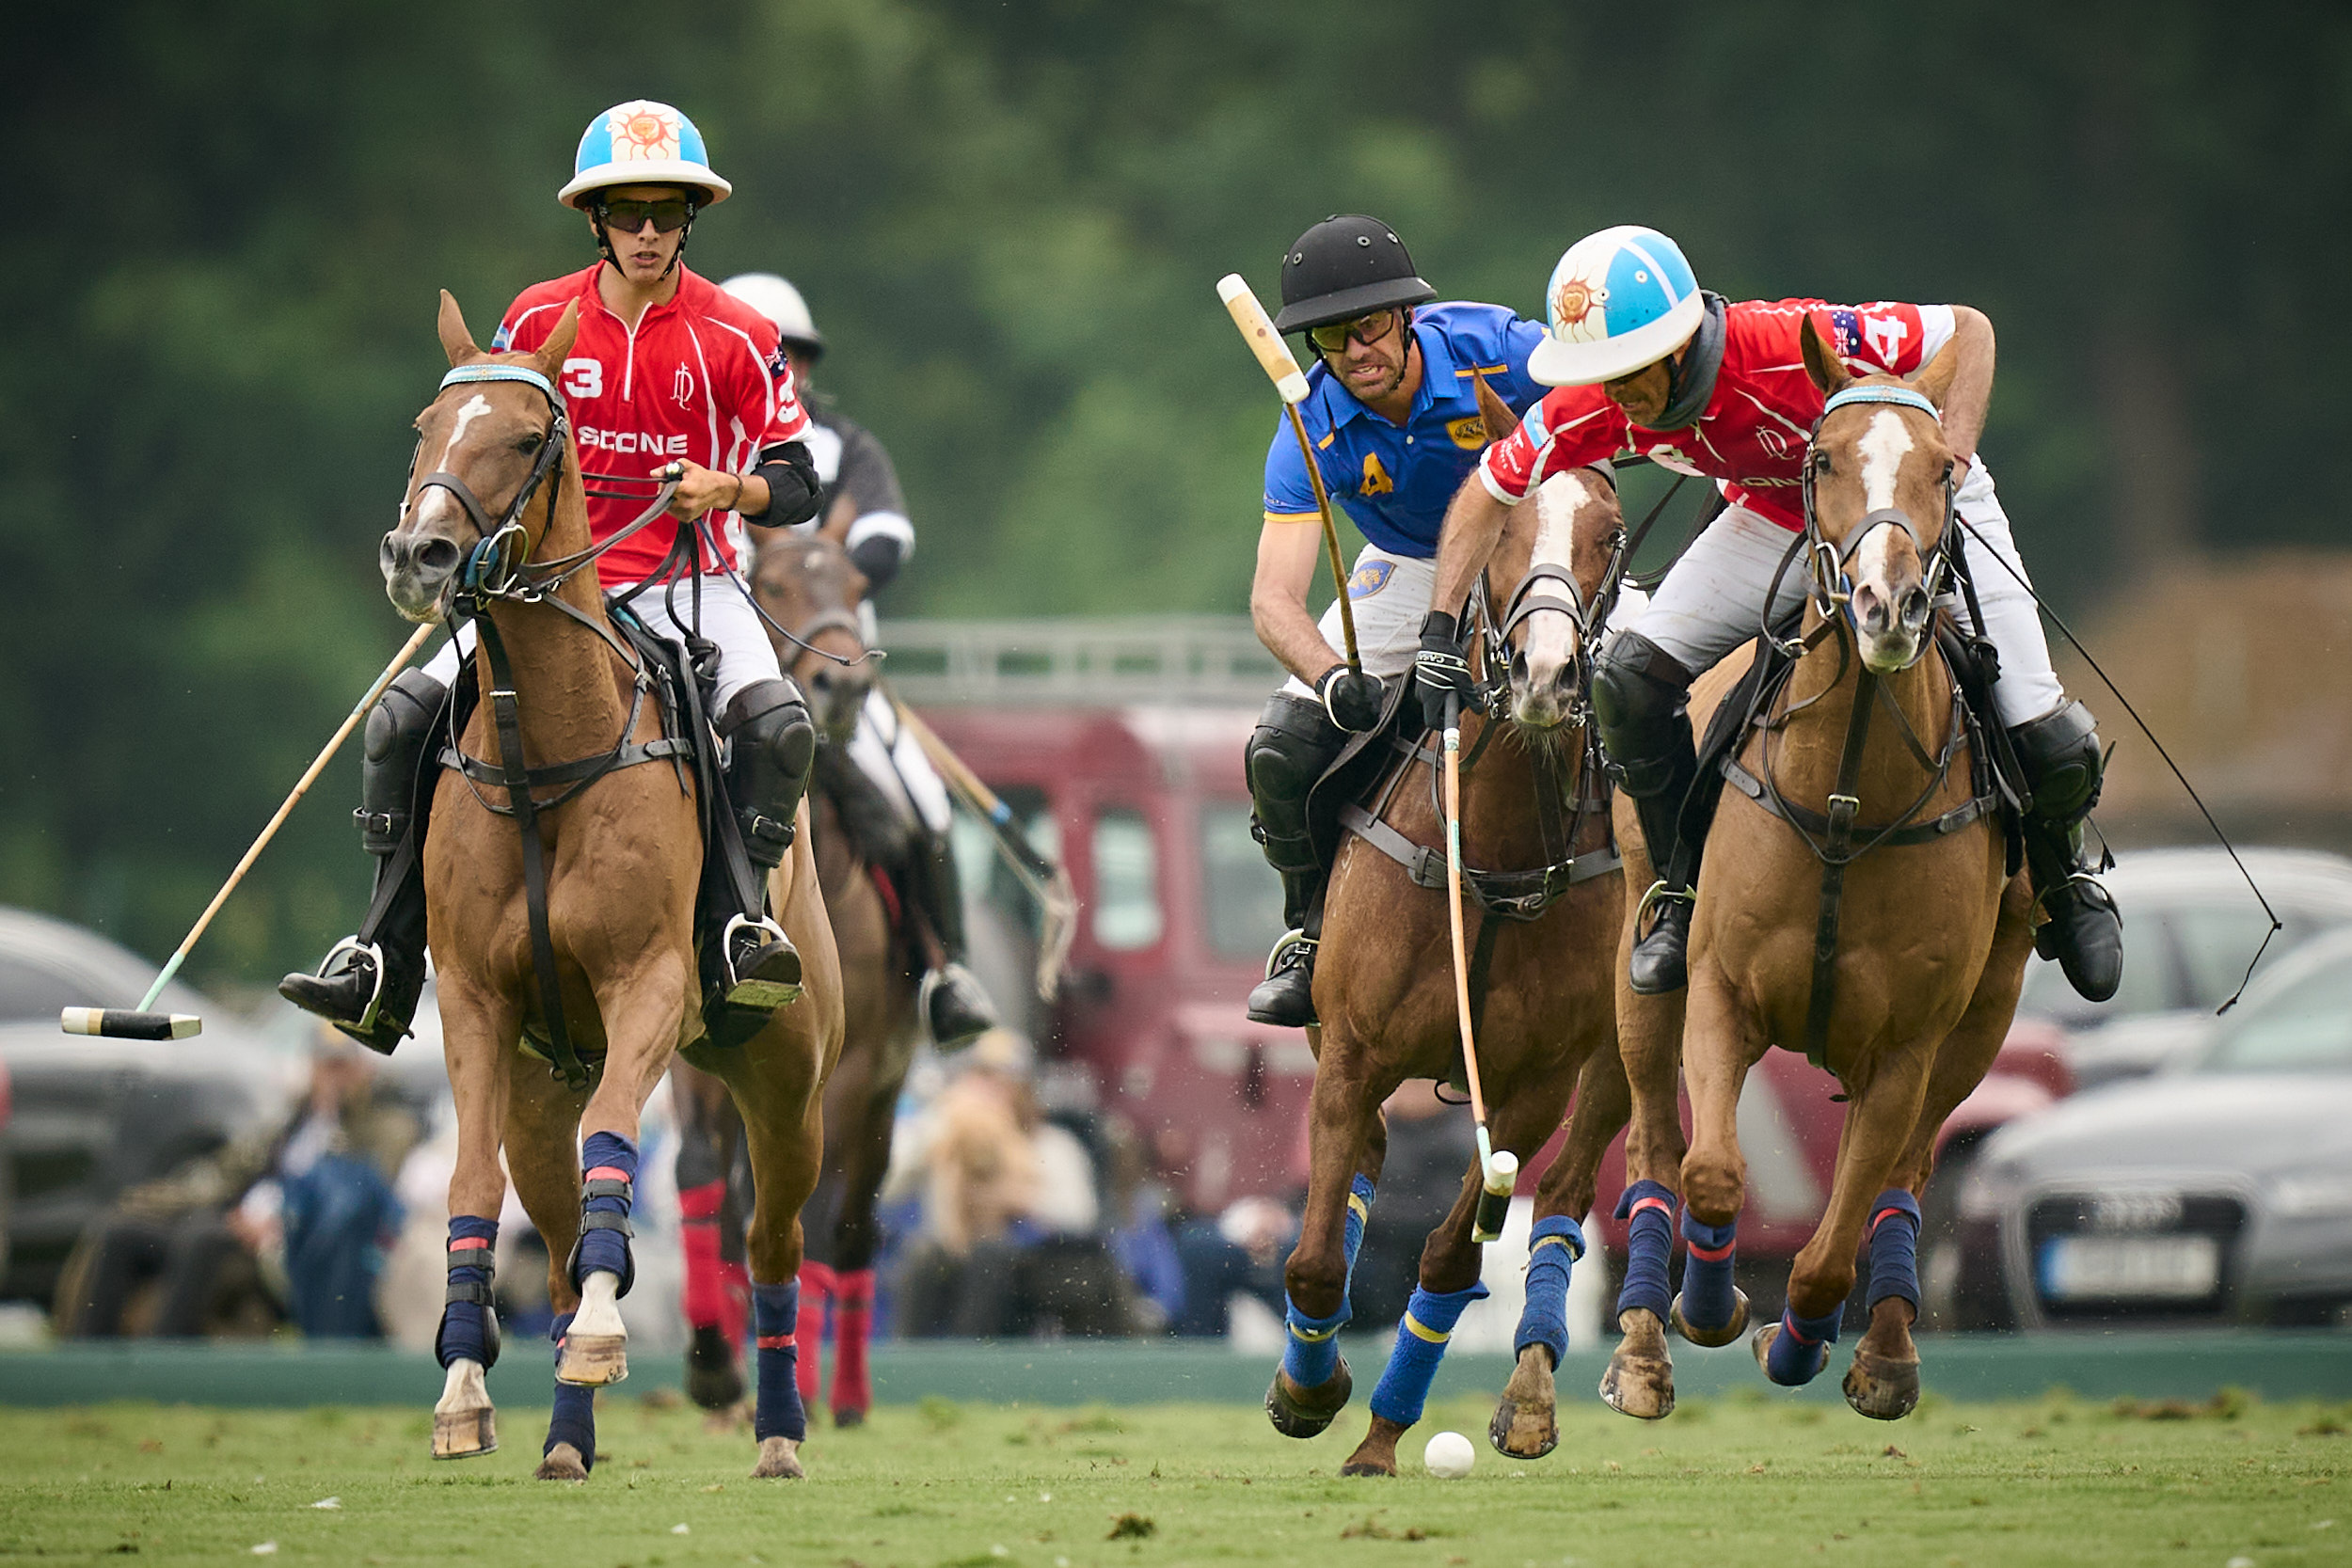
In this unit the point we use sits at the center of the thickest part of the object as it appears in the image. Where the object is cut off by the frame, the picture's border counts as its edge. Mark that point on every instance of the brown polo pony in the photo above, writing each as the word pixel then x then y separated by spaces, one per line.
pixel 621 859
pixel 1877 803
pixel 1385 994
pixel 808 586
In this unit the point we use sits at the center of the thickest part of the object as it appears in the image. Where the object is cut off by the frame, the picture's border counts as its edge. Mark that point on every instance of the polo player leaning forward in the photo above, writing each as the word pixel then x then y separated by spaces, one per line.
pixel 1393 412
pixel 1643 360
pixel 670 379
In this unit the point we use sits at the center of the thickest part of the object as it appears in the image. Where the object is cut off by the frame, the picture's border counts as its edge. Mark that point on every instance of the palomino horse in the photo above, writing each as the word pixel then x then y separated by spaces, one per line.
pixel 1873 925
pixel 496 512
pixel 809 587
pixel 1385 991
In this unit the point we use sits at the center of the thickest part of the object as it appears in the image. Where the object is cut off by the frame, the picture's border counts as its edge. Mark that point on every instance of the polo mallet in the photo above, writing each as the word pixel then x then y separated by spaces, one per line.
pixel 1047 882
pixel 140 1024
pixel 1273 357
pixel 1497 1172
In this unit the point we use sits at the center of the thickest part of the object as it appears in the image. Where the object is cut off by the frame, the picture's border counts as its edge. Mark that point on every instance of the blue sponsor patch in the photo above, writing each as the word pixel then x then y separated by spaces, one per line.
pixel 1372 577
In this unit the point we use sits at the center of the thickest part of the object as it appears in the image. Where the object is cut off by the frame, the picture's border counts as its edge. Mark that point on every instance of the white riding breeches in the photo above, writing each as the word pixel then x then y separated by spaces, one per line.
pixel 1390 595
pixel 746 656
pixel 886 751
pixel 1712 599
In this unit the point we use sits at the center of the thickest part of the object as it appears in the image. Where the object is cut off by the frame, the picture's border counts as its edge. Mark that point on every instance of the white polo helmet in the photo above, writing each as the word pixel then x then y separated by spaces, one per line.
pixel 642 143
pixel 1618 300
pixel 779 302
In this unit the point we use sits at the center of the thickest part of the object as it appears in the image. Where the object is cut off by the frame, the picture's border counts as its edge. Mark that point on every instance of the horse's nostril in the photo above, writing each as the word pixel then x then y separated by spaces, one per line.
pixel 437 556
pixel 1916 607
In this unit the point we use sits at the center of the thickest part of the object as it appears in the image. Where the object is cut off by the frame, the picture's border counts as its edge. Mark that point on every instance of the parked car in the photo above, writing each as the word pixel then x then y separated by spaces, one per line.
pixel 2190 926
pixel 2220 1188
pixel 92 1116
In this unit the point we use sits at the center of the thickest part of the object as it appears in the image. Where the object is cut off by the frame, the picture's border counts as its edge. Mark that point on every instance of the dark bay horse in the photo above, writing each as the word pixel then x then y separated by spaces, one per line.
pixel 1385 991
pixel 808 586
pixel 1860 831
pixel 496 509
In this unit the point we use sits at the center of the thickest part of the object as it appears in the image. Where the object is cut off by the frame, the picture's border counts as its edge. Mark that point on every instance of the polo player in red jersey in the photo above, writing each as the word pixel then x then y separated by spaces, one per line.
pixel 670 379
pixel 1641 360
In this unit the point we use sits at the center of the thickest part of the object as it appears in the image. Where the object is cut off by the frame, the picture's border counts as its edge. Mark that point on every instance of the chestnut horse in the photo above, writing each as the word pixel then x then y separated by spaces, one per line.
pixel 1385 992
pixel 809 587
pixel 1853 903
pixel 502 518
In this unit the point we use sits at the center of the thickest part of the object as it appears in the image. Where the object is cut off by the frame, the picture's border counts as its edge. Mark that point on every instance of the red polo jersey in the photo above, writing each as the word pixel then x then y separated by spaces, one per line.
pixel 700 376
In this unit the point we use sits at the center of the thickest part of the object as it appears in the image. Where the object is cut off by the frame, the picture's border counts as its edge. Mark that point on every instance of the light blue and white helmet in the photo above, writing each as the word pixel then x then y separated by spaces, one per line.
pixel 642 143
pixel 1618 300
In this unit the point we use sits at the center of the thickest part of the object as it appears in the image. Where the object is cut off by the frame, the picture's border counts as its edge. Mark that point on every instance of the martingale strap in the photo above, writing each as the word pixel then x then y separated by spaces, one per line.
pixel 1837 854
pixel 1509 895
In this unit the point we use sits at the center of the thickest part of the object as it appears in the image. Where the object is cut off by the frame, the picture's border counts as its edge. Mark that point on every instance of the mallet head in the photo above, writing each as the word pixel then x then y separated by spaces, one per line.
pixel 122 1024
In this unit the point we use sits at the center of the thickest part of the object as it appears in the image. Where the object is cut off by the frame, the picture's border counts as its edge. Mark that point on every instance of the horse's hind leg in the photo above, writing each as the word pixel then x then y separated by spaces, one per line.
pixel 865 1143
pixel 777 1086
pixel 1640 1378
pixel 709 1129
pixel 542 1121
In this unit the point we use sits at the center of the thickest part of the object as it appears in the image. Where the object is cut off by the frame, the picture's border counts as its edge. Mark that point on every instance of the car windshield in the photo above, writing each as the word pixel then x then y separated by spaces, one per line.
pixel 1242 904
pixel 2306 1026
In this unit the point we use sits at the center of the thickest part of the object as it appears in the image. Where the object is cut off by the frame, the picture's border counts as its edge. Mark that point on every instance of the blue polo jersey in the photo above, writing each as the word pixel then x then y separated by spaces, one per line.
pixel 1398 481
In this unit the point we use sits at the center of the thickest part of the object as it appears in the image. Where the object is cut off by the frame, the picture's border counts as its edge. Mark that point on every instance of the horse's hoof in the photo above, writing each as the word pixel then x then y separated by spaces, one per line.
pixel 1882 1388
pixel 562 1462
pixel 1305 1412
pixel 1640 1381
pixel 465 1433
pixel 1526 1422
pixel 849 1417
pixel 1712 1337
pixel 1762 1345
pixel 714 1378
pixel 1369 1468
pixel 779 1459
pixel 593 1360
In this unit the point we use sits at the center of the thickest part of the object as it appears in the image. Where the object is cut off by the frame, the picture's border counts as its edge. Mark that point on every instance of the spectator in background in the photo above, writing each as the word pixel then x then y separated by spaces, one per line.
pixel 1238 1253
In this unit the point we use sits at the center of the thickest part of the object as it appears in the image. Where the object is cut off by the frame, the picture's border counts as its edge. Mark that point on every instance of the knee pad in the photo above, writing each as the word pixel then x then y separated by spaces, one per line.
pixel 392 750
pixel 1640 701
pixel 1294 741
pixel 769 725
pixel 2061 756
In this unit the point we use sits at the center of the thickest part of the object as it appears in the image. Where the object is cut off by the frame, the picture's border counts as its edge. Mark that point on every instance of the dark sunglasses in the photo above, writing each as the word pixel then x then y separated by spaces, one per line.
pixel 668 215
pixel 1334 337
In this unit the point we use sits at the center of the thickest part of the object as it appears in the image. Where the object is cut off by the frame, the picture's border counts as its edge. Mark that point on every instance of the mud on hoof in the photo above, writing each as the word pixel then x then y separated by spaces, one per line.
pixel 465 1433
pixel 1640 1381
pixel 1882 1388
pixel 714 1378
pixel 593 1360
pixel 1526 1424
pixel 562 1463
pixel 779 1459
pixel 1305 1412
pixel 1713 1337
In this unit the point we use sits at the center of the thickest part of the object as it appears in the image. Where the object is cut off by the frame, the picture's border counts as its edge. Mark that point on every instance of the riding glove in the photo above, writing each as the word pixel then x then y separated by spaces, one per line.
pixel 1353 699
pixel 1442 668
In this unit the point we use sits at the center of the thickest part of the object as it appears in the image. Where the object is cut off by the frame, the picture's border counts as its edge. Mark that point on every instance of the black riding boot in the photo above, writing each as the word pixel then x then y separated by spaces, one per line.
pixel 2083 931
pixel 773 747
pixel 1640 697
pixel 955 1006
pixel 1294 741
pixel 369 983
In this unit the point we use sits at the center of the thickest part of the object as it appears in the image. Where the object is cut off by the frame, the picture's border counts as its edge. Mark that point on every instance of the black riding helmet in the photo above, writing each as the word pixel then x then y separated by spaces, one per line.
pixel 1344 267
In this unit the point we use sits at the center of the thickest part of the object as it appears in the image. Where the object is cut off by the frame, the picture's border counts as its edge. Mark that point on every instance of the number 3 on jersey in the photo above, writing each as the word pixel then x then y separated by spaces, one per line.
pixel 584 378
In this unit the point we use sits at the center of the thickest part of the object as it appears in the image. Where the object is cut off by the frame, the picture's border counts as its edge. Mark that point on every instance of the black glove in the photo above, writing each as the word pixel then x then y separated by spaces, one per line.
pixel 1353 699
pixel 877 555
pixel 1442 668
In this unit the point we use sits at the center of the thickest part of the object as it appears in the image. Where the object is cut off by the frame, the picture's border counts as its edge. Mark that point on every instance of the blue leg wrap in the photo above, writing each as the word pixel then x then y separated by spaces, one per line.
pixel 1312 1354
pixel 1359 1193
pixel 608 1163
pixel 1800 1350
pixel 469 1329
pixel 1706 1299
pixel 1649 1244
pixel 775 1319
pixel 1552 1247
pixel 575 1417
pixel 1895 1248
pixel 1420 1336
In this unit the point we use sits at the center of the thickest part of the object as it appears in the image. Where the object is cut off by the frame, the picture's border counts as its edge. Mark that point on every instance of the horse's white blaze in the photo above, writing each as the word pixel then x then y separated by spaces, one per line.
pixel 1874 562
pixel 1552 639
pixel 600 1306
pixel 1883 446
pixel 475 407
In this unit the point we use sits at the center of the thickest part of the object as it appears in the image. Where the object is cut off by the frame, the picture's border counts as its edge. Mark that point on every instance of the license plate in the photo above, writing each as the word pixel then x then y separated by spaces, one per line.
pixel 2110 1268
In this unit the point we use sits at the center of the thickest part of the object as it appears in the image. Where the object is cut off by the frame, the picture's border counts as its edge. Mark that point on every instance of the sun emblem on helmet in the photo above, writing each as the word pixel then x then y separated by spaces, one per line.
pixel 1572 301
pixel 647 135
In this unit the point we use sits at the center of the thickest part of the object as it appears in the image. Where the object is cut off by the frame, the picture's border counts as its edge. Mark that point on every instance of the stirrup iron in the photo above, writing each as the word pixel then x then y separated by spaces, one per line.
pixel 761 995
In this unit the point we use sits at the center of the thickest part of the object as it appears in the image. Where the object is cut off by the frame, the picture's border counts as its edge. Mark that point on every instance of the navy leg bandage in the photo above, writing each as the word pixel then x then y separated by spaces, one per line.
pixel 1552 1248
pixel 1800 1349
pixel 1649 1247
pixel 609 1165
pixel 1895 1248
pixel 1311 1355
pixel 575 1417
pixel 469 1325
pixel 1706 1299
pixel 1420 1336
pixel 776 1319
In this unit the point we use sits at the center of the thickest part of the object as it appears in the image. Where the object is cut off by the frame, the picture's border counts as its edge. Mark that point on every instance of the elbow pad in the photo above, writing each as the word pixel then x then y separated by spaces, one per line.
pixel 793 488
pixel 880 543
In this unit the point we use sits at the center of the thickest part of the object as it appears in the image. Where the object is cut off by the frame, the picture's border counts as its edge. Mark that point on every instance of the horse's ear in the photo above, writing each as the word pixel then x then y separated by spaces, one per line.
pixel 456 340
pixel 836 524
pixel 1936 380
pixel 559 344
pixel 1493 412
pixel 1828 371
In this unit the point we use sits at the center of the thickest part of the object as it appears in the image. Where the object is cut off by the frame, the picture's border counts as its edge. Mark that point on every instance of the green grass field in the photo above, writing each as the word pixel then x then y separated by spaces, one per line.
pixel 1744 1480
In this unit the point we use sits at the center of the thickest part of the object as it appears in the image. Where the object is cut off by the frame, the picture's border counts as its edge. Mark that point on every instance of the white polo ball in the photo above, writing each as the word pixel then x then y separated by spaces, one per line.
pixel 1448 1456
